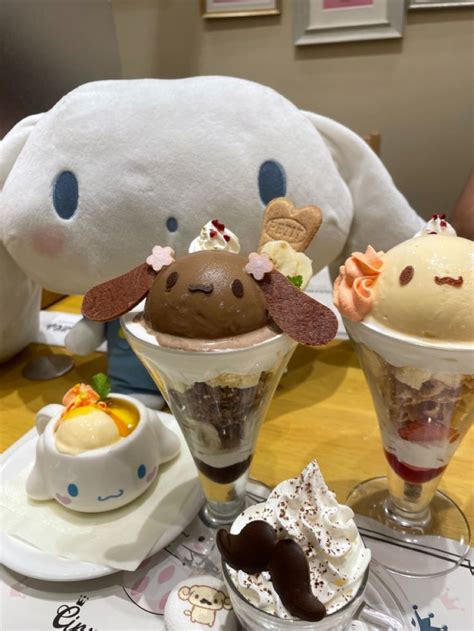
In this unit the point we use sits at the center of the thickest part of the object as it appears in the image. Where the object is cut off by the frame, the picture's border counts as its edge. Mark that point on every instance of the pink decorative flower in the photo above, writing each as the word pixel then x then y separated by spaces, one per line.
pixel 160 257
pixel 258 265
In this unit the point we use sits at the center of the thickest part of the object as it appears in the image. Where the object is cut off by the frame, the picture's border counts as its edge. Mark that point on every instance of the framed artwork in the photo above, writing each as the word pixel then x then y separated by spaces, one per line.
pixel 436 4
pixel 238 8
pixel 333 21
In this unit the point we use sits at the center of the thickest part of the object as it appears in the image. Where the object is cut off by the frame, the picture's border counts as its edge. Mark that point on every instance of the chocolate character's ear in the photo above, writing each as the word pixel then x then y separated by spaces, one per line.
pixel 304 319
pixel 115 297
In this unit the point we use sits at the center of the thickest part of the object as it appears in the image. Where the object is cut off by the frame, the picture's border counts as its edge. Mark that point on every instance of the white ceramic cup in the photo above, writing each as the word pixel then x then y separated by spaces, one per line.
pixel 100 479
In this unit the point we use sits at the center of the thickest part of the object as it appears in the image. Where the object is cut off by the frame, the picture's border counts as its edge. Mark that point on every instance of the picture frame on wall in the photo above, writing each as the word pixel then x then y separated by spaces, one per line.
pixel 335 21
pixel 239 8
pixel 437 4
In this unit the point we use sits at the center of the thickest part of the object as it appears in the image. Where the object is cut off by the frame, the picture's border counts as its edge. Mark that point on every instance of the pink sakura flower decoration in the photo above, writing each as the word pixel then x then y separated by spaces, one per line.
pixel 160 257
pixel 258 265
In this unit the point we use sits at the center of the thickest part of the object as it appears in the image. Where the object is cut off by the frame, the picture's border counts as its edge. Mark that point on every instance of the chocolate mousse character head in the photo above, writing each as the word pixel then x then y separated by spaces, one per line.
pixel 212 294
pixel 206 295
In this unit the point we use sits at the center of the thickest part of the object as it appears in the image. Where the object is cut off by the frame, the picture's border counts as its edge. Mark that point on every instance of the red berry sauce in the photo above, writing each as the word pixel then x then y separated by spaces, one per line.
pixel 414 475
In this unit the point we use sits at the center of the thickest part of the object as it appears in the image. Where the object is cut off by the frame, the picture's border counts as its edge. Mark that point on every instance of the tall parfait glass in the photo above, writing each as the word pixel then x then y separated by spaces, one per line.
pixel 423 394
pixel 219 398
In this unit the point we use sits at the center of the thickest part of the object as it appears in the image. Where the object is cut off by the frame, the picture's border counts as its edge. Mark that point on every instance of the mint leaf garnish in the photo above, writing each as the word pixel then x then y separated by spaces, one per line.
pixel 101 384
pixel 296 280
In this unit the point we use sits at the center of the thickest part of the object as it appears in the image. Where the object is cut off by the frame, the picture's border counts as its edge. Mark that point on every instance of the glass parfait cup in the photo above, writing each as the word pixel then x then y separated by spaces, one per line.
pixel 219 399
pixel 254 619
pixel 423 395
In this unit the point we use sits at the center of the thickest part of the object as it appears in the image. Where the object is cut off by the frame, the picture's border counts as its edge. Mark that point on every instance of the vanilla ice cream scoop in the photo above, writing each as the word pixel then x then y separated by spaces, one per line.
pixel 288 261
pixel 426 289
pixel 90 430
pixel 422 288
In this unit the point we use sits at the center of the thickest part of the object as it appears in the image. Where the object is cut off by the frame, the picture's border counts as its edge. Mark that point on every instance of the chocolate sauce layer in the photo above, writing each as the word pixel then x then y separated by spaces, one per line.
pixel 224 475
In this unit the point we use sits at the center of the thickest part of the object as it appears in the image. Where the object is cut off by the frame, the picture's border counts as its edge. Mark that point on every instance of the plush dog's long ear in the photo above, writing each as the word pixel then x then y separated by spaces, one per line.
pixel 115 297
pixel 382 217
pixel 20 297
pixel 304 319
pixel 13 143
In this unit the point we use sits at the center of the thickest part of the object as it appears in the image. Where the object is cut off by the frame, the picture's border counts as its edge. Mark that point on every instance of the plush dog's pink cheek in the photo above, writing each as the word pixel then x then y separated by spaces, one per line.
pixel 63 499
pixel 48 241
pixel 151 475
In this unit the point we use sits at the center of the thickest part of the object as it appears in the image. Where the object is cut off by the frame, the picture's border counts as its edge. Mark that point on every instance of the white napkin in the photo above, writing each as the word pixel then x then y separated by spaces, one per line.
pixel 120 538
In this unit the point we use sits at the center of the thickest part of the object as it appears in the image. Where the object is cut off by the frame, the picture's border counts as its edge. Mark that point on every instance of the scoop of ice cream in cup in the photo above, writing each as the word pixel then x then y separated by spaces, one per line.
pixel 96 454
pixel 409 313
pixel 216 332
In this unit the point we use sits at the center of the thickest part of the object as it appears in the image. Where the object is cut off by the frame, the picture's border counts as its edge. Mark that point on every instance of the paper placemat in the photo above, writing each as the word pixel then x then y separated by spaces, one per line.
pixel 134 601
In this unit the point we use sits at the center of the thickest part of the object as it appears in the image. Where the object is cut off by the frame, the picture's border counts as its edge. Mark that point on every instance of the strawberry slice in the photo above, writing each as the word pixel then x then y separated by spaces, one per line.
pixel 417 431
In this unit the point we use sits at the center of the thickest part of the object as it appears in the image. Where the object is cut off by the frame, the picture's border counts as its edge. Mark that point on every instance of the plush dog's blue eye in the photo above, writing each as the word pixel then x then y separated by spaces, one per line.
pixel 65 194
pixel 271 181
pixel 73 490
pixel 172 224
pixel 141 471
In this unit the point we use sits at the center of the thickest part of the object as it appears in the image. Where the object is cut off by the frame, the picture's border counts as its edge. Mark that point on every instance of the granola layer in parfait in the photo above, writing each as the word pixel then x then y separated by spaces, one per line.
pixel 423 415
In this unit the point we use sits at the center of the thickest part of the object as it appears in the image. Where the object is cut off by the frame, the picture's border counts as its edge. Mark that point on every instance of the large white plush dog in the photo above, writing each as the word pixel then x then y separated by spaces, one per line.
pixel 88 188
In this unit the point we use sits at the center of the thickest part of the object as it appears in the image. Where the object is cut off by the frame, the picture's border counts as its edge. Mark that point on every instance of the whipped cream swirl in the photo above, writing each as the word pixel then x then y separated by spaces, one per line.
pixel 215 236
pixel 437 225
pixel 305 510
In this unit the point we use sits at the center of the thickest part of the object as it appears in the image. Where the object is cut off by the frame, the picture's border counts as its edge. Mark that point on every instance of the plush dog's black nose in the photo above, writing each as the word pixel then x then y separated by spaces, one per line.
pixel 204 601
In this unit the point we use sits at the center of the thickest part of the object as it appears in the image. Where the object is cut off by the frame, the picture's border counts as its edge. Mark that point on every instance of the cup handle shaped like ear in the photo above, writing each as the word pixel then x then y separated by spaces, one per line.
pixel 168 443
pixel 110 300
pixel 302 318
pixel 37 483
pixel 46 414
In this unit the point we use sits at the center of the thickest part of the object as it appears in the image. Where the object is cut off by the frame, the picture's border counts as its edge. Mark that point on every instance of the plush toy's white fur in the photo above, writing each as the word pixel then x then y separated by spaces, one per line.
pixel 149 155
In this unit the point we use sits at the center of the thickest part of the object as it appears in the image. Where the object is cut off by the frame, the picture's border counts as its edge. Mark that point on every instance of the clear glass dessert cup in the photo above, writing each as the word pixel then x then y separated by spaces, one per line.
pixel 219 399
pixel 423 395
pixel 254 619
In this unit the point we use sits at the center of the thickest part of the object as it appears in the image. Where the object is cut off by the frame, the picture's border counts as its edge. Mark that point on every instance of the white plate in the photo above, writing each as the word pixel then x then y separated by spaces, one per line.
pixel 29 561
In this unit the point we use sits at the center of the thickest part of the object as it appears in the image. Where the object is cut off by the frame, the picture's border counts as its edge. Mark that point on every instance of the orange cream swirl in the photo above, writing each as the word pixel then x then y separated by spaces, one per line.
pixel 353 288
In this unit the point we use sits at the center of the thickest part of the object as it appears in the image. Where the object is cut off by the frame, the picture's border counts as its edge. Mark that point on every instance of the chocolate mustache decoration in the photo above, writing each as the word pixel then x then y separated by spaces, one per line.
pixel 256 548
pixel 251 549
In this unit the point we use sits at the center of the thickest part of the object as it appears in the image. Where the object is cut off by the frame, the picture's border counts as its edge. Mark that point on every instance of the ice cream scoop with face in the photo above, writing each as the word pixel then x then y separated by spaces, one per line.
pixel 304 512
pixel 215 293
pixel 426 288
pixel 206 295
pixel 423 287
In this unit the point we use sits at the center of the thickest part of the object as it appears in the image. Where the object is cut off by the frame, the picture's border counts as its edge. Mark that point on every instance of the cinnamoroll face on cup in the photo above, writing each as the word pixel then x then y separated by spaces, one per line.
pixel 100 478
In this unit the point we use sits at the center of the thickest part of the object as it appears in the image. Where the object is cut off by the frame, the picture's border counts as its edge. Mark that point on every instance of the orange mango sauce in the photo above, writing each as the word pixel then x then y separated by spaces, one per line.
pixel 124 415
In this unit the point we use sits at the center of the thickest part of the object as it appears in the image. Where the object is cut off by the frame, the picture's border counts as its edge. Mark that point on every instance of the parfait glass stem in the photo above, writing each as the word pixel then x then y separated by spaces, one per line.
pixel 224 501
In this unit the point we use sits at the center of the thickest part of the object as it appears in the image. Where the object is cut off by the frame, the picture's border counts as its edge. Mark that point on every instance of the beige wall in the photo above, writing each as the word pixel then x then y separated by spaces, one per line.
pixel 417 91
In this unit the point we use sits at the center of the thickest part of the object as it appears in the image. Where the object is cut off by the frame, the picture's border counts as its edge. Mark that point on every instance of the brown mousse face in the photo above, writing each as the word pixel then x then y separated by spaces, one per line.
pixel 206 295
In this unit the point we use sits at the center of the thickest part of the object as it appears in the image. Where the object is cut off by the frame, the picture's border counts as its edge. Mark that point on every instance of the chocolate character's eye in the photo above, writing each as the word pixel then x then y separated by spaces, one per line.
pixel 237 288
pixel 406 275
pixel 171 280
pixel 141 471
